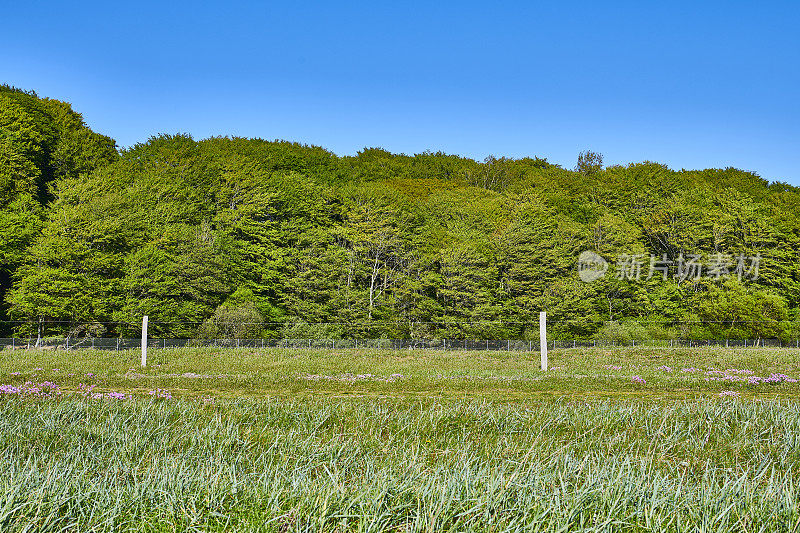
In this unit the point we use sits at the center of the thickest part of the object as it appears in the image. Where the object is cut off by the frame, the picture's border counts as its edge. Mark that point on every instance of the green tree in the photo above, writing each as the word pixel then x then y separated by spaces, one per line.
pixel 589 163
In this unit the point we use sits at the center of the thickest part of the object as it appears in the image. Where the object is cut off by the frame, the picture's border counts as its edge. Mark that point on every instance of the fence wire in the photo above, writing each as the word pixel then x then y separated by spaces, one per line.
pixel 120 344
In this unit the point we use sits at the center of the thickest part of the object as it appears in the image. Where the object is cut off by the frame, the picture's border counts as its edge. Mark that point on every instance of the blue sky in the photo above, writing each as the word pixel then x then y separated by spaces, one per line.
pixel 688 84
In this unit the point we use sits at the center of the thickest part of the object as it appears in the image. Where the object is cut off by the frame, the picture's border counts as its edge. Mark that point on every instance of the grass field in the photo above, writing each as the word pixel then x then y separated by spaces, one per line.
pixel 702 440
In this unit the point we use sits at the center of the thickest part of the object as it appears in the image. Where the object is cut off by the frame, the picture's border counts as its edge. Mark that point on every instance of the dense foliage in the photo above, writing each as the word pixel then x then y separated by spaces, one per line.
pixel 43 143
pixel 232 236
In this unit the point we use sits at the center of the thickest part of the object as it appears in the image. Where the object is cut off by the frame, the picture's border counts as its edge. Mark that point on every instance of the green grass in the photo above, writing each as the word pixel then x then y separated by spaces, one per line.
pixel 496 376
pixel 462 441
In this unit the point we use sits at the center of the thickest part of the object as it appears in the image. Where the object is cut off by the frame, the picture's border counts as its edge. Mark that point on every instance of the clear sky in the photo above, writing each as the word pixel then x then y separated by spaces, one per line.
pixel 690 84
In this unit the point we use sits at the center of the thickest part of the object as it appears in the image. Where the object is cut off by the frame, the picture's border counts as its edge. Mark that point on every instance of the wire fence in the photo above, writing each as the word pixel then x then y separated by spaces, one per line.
pixel 119 344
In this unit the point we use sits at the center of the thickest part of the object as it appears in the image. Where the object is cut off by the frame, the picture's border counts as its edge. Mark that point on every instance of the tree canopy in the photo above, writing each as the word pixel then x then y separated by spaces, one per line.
pixel 273 238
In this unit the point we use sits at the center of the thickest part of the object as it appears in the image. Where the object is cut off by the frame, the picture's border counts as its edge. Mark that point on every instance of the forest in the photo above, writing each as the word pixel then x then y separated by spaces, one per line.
pixel 236 237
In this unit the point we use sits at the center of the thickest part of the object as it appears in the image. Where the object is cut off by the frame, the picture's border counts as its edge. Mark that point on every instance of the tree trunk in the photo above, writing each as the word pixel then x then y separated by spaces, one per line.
pixel 372 284
pixel 39 332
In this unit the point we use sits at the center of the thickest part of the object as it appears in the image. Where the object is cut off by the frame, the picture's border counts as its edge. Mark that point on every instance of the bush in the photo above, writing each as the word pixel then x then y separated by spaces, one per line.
pixel 243 321
pixel 626 332
pixel 303 330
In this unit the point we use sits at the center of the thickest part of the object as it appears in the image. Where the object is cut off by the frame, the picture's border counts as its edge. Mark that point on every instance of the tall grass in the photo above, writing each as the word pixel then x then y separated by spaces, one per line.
pixel 373 465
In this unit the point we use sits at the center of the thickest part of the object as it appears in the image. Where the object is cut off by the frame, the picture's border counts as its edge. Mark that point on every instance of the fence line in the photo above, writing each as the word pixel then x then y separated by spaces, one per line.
pixel 118 344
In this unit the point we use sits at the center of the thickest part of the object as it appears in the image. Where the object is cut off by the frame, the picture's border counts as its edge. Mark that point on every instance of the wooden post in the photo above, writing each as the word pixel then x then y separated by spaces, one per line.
pixel 144 341
pixel 543 338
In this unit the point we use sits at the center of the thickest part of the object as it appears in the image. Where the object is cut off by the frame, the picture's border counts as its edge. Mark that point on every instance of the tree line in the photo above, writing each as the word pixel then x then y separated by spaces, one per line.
pixel 230 236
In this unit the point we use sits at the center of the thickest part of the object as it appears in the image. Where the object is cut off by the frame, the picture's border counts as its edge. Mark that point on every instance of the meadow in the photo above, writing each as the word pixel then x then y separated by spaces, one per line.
pixel 367 440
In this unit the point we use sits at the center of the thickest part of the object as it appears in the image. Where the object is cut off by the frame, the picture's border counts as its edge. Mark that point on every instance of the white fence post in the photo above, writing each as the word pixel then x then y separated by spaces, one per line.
pixel 543 338
pixel 144 341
